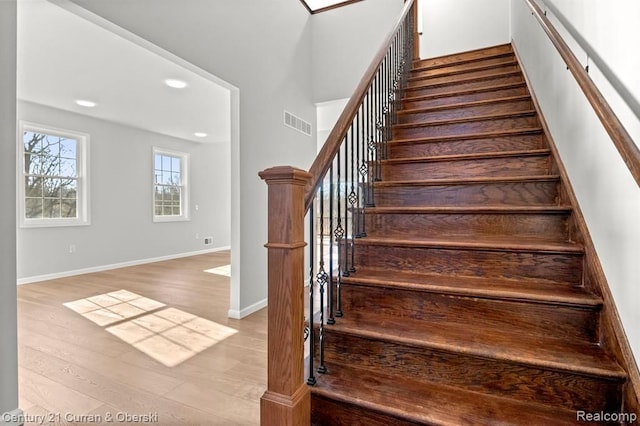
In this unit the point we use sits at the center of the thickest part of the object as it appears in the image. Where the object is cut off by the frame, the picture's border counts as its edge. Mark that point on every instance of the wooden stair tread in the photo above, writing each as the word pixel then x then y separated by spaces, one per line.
pixel 466 180
pixel 505 55
pixel 509 62
pixel 474 156
pixel 486 117
pixel 429 403
pixel 497 209
pixel 463 57
pixel 473 79
pixel 481 287
pixel 544 352
pixel 464 92
pixel 484 243
pixel 469 104
pixel 479 135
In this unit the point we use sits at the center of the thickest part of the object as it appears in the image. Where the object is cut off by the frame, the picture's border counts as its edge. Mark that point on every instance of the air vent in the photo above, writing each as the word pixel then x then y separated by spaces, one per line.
pixel 297 123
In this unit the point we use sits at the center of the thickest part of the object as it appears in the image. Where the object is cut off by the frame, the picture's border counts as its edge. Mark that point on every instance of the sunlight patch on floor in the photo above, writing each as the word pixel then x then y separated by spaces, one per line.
pixel 169 335
pixel 109 308
pixel 220 270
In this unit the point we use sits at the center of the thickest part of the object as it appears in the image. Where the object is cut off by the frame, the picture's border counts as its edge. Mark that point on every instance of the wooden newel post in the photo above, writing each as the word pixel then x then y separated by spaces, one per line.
pixel 286 402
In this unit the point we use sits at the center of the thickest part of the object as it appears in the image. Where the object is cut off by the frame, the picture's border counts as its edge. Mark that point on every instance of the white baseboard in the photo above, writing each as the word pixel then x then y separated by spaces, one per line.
pixel 12 418
pixel 47 277
pixel 239 314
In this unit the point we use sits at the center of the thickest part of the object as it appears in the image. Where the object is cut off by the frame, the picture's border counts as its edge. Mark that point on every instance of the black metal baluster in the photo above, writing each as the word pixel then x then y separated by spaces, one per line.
pixel 339 236
pixel 368 194
pixel 387 113
pixel 346 269
pixel 312 379
pixel 370 146
pixel 321 278
pixel 379 123
pixel 355 211
pixel 362 143
pixel 330 302
pixel 352 201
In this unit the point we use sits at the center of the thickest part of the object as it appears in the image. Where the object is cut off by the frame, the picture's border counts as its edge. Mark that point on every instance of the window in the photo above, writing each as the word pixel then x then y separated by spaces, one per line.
pixel 170 186
pixel 54 185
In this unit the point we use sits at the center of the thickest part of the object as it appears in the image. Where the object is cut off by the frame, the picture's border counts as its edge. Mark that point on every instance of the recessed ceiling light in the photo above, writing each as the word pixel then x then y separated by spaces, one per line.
pixel 200 135
pixel 176 84
pixel 87 104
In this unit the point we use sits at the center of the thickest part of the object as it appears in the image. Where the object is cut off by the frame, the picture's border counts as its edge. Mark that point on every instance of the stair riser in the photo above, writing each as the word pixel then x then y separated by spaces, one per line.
pixel 373 304
pixel 461 86
pixel 325 412
pixel 501 193
pixel 551 226
pixel 453 79
pixel 469 111
pixel 476 126
pixel 462 68
pixel 466 57
pixel 469 146
pixel 498 377
pixel 486 167
pixel 561 267
pixel 462 98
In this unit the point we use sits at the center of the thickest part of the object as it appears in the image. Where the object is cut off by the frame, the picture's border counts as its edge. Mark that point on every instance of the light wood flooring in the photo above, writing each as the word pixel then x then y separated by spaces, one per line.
pixel 73 364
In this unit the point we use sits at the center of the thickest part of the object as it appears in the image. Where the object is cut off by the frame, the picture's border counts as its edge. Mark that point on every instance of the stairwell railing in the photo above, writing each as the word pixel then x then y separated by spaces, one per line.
pixel 627 148
pixel 334 194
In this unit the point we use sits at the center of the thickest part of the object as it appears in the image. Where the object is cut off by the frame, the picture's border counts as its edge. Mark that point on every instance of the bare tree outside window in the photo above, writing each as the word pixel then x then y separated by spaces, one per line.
pixel 51 176
pixel 168 185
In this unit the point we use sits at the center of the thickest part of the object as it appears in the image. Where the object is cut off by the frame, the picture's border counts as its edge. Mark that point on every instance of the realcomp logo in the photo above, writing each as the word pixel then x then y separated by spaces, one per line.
pixel 626 418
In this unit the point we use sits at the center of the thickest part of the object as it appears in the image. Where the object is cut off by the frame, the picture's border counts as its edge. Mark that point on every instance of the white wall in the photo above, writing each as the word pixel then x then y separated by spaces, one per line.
pixel 327 115
pixel 452 26
pixel 8 321
pixel 344 43
pixel 264 49
pixel 122 229
pixel 608 195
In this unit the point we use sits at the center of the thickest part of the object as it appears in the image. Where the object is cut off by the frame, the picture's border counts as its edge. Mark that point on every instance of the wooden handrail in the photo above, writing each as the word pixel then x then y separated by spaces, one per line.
pixel 619 135
pixel 329 150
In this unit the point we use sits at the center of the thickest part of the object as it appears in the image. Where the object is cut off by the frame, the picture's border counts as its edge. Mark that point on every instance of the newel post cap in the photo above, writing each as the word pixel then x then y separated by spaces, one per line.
pixel 285 174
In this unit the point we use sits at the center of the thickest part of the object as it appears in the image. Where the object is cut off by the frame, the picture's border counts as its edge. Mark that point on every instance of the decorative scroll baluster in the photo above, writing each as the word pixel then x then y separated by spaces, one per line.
pixel 362 205
pixel 322 282
pixel 355 210
pixel 330 298
pixel 379 123
pixel 346 269
pixel 352 201
pixel 339 234
pixel 370 148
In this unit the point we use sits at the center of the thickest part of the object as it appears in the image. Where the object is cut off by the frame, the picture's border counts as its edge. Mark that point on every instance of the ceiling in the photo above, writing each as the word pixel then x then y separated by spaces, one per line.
pixel 63 57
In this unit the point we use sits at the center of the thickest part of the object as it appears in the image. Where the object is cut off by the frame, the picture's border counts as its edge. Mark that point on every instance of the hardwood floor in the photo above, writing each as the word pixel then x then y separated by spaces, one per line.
pixel 75 361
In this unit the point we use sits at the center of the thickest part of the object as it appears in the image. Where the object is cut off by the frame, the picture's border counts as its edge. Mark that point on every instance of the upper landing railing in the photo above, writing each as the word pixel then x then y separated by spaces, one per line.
pixel 335 193
pixel 626 147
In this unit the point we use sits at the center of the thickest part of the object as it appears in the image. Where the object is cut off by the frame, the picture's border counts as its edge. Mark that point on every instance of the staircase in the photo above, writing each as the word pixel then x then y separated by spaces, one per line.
pixel 468 305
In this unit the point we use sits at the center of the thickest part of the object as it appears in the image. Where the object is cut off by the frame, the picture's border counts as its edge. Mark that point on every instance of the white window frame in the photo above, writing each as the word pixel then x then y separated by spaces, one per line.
pixel 184 193
pixel 82 168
